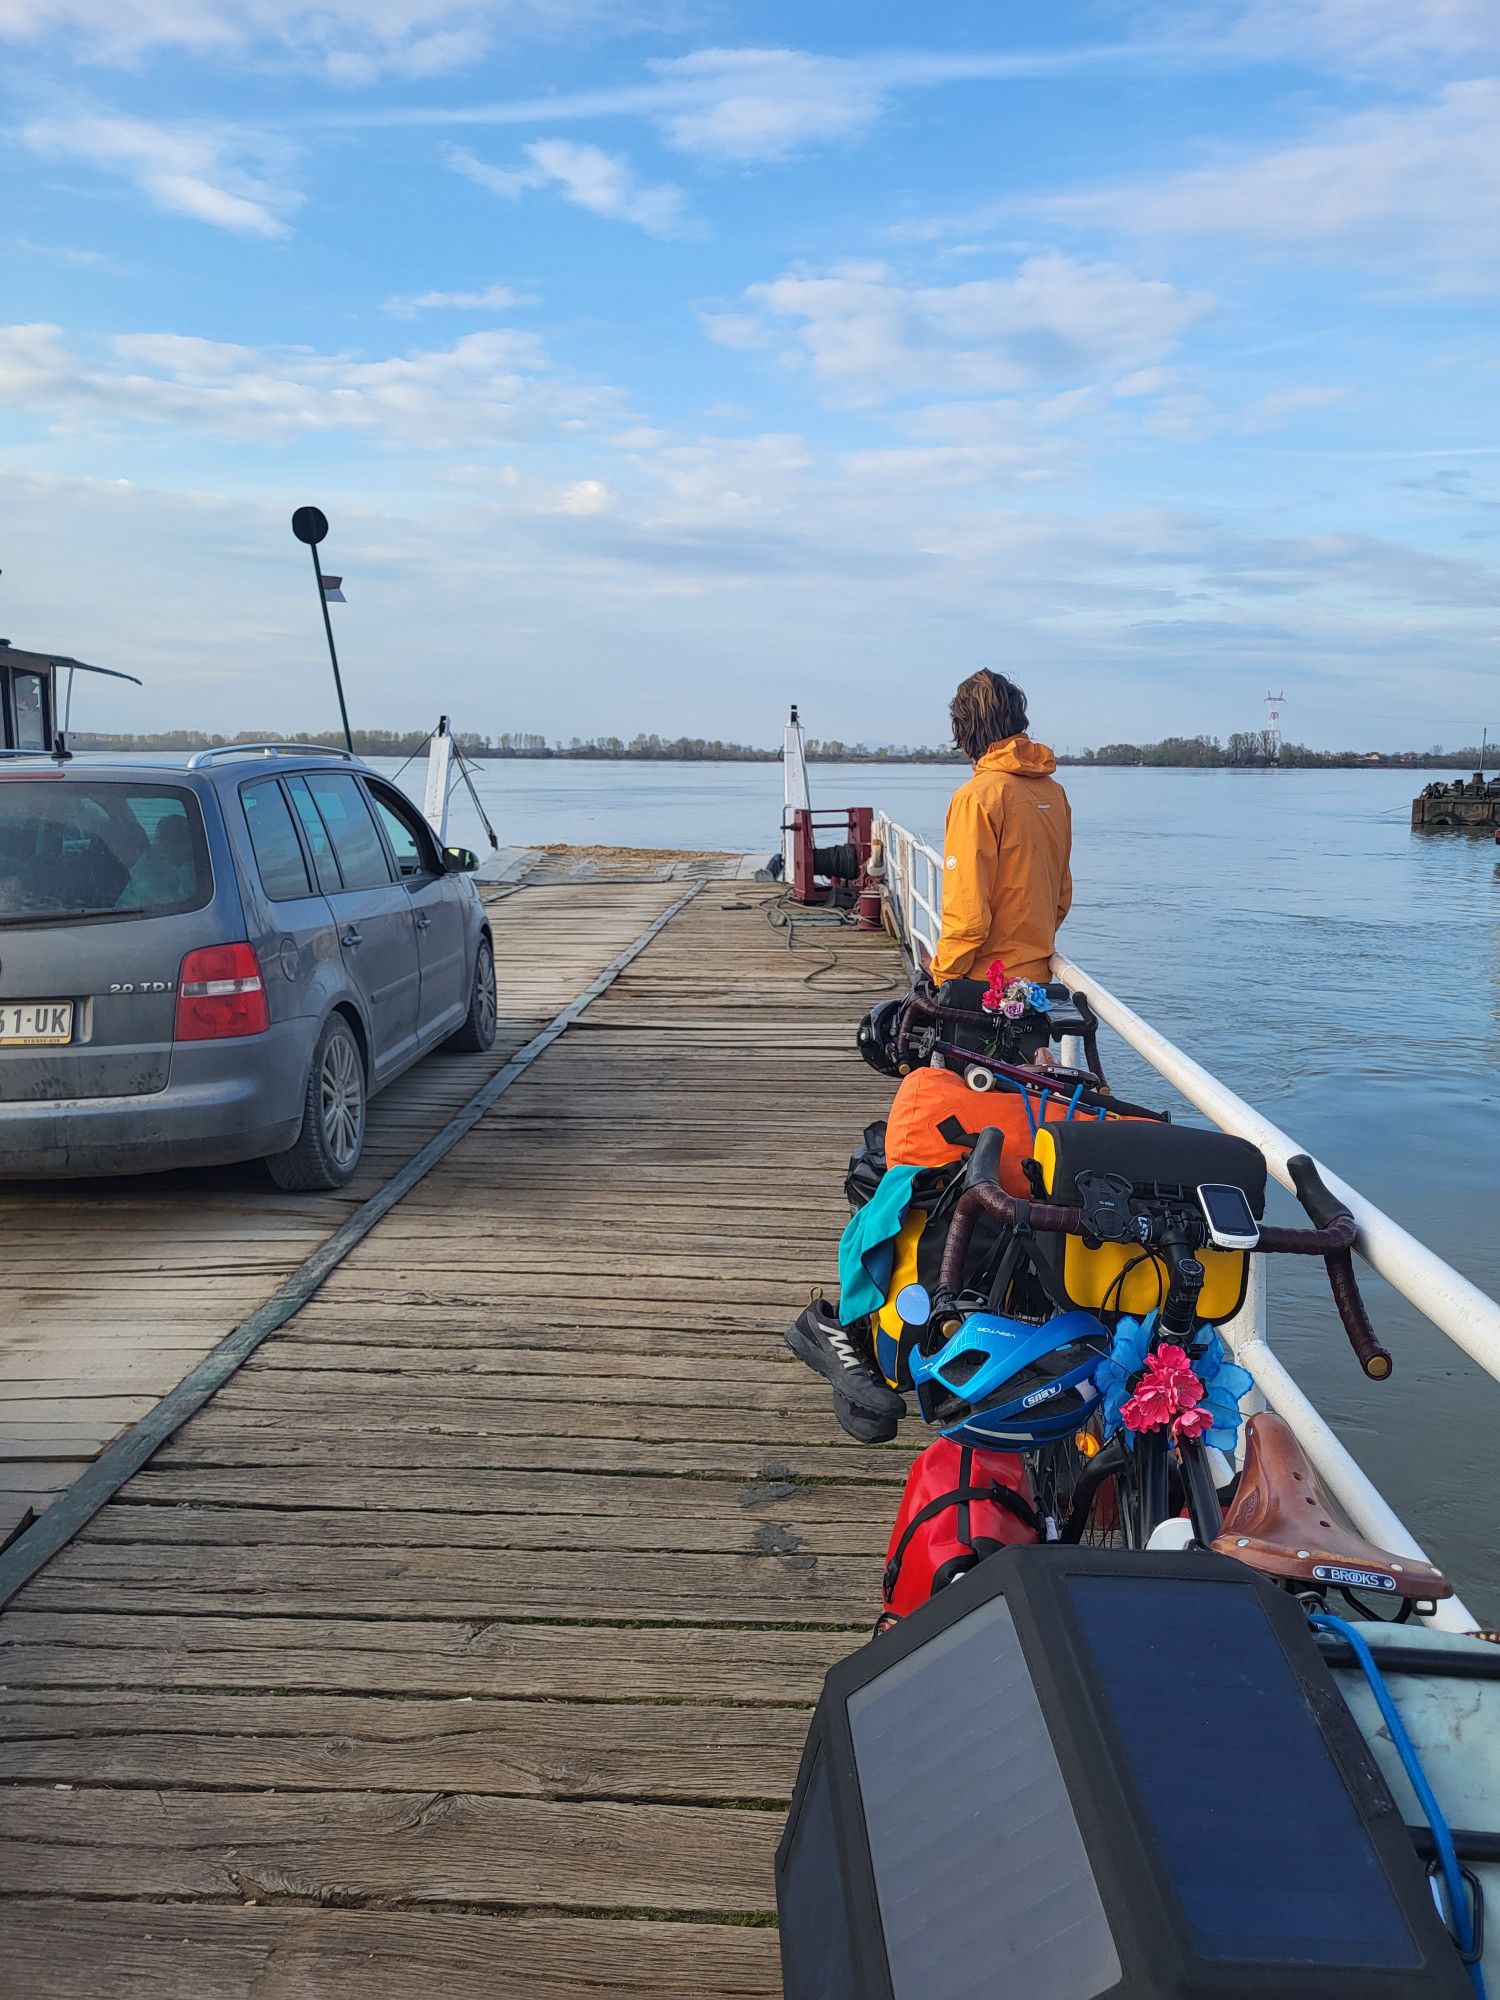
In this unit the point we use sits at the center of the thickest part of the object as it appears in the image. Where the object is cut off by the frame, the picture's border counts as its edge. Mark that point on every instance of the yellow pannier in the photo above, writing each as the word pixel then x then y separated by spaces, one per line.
pixel 1169 1160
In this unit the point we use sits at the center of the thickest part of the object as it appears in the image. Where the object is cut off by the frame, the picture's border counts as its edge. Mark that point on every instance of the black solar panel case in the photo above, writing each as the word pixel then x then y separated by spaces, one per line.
pixel 1097 1774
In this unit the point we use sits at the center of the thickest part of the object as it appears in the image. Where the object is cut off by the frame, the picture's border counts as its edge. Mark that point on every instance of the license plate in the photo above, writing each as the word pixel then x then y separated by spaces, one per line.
pixel 24 1023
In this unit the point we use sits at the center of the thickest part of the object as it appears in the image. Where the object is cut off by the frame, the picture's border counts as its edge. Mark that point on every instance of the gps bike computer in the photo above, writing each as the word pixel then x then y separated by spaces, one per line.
pixel 1231 1224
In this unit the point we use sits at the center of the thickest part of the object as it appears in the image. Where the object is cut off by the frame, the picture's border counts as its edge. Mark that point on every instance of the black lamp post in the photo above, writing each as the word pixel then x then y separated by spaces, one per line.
pixel 310 525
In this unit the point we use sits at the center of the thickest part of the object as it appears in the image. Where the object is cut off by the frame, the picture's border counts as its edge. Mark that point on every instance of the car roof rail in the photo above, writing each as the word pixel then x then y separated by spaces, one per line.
pixel 201 757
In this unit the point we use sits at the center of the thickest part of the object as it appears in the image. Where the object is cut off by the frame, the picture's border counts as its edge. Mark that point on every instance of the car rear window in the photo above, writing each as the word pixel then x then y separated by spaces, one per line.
pixel 318 844
pixel 278 852
pixel 90 847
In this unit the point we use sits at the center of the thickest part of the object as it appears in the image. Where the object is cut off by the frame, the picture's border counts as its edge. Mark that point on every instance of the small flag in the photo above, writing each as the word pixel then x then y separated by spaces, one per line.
pixel 333 590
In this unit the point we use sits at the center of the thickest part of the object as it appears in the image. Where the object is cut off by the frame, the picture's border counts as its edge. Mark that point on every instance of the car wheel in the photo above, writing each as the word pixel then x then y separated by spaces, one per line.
pixel 332 1138
pixel 478 1031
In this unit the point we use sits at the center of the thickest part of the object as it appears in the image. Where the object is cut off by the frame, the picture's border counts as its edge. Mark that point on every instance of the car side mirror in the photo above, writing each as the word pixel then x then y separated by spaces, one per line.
pixel 459 860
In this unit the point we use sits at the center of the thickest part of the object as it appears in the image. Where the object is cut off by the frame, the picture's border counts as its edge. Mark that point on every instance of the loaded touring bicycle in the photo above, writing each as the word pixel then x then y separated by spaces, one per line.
pixel 1146 1711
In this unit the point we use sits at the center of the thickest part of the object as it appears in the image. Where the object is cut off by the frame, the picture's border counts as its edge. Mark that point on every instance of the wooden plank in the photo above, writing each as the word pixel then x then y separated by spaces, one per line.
pixel 51 1950
pixel 500 1657
pixel 774 1391
pixel 381 1404
pixel 556 1750
pixel 724 1531
pixel 551 1495
pixel 417 1847
pixel 793 1589
pixel 216 1438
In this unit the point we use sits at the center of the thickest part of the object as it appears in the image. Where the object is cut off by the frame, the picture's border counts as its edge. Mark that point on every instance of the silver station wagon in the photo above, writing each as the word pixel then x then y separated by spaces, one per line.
pixel 222 958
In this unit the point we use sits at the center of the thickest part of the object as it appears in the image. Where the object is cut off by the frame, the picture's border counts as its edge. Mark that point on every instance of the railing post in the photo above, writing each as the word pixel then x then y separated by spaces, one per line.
pixel 439 781
pixel 794 792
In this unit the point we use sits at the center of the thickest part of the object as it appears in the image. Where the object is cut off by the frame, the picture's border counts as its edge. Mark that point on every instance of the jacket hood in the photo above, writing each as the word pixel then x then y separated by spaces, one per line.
pixel 1020 755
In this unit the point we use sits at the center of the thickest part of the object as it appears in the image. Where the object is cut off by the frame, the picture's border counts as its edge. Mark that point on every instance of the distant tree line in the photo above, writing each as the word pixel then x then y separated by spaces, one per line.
pixel 645 748
pixel 1249 749
pixel 1244 750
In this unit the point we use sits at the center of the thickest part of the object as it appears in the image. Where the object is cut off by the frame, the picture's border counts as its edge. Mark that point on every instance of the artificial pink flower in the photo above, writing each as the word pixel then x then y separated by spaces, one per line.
pixel 1166 1392
pixel 1149 1408
pixel 1192 1423
pixel 1171 1365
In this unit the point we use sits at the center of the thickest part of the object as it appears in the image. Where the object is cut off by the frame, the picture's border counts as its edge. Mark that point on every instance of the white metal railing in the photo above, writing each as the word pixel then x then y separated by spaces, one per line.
pixel 1468 1316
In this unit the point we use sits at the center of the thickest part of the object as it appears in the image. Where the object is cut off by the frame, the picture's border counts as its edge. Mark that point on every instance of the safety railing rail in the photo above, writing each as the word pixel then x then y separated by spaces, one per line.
pixel 1455 1306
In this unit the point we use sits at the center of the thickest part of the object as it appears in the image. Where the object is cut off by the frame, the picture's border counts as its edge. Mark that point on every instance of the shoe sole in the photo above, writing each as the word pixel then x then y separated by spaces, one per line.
pixel 864 1429
pixel 871 1398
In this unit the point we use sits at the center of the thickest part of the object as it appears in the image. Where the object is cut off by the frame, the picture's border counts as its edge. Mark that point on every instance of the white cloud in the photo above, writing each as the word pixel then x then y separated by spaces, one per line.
pixel 766 104
pixel 1282 404
pixel 603 183
pixel 352 41
pixel 213 173
pixel 755 104
pixel 735 329
pixel 584 496
pixel 1412 185
pixel 1361 34
pixel 493 298
pixel 486 389
pixel 867 335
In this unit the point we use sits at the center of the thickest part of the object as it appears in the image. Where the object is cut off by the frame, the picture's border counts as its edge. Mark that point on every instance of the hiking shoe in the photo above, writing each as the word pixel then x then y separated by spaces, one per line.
pixel 816 1337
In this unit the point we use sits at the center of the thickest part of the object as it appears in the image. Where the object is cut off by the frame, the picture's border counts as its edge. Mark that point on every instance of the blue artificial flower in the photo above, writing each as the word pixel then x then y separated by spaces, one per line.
pixel 1037 996
pixel 1224 1383
pixel 1115 1376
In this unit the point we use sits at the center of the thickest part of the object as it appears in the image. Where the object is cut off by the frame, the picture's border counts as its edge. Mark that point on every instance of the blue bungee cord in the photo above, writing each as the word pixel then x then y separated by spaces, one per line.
pixel 1461 1920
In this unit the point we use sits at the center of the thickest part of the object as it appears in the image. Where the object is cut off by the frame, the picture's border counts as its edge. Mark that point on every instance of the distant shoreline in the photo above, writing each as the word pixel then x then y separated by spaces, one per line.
pixel 1175 753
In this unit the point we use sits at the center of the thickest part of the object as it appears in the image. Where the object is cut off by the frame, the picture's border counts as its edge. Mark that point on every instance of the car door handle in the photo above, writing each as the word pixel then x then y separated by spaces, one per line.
pixel 424 922
pixel 350 936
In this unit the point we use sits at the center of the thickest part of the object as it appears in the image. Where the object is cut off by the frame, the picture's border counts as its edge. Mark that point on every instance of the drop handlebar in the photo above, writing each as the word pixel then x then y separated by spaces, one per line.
pixel 1331 1238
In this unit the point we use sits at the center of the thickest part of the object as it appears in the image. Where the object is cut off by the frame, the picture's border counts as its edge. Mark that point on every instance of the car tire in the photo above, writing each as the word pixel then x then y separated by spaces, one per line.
pixel 334 1106
pixel 478 1031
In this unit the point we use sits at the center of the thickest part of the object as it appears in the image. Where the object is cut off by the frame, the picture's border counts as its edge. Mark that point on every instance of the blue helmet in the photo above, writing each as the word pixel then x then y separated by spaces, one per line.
pixel 1006 1384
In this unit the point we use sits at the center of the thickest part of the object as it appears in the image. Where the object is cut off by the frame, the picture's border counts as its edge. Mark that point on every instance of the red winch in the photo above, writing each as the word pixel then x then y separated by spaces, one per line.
pixel 835 861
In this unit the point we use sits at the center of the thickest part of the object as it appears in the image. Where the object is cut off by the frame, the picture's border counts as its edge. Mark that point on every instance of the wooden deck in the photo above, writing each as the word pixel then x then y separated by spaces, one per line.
pixel 115 1288
pixel 465 1640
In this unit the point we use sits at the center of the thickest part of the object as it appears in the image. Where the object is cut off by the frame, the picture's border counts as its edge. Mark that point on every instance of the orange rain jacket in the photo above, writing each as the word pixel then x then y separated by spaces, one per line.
pixel 1006 882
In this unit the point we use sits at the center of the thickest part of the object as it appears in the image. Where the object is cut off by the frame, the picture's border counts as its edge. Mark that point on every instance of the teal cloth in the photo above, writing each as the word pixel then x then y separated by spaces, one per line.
pixel 867 1248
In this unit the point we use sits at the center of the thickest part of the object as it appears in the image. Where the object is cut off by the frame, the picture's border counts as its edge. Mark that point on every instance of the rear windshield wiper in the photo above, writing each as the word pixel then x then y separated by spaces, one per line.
pixel 64 916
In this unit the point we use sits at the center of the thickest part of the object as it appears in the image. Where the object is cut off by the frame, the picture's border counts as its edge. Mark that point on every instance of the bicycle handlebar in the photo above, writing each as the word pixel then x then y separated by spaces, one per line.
pixel 1319 1200
pixel 1332 1217
pixel 1330 1239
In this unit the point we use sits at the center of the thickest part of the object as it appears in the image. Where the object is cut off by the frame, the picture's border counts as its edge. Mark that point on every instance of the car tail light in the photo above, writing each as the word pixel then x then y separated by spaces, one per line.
pixel 220 993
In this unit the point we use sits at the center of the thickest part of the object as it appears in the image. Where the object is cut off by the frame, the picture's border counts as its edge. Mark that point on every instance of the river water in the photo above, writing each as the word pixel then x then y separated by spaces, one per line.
pixel 1289 930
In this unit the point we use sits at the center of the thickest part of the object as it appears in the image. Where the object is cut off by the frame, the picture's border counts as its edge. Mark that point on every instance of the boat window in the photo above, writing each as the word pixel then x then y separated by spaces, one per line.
pixel 273 835
pixel 29 697
pixel 319 845
pixel 411 841
pixel 86 848
pixel 351 828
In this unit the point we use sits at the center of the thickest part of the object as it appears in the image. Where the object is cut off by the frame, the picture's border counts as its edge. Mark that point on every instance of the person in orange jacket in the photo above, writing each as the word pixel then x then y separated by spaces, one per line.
pixel 1007 884
pixel 1006 888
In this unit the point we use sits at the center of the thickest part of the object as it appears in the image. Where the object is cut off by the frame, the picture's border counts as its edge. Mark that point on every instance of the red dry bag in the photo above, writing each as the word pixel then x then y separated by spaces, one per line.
pixel 960 1504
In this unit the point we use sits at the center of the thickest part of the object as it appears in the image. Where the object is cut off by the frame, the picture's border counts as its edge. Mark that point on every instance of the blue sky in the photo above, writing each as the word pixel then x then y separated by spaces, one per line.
pixel 659 364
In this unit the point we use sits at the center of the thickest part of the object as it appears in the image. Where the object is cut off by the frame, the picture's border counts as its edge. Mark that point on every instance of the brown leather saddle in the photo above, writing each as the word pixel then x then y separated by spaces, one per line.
pixel 1282 1521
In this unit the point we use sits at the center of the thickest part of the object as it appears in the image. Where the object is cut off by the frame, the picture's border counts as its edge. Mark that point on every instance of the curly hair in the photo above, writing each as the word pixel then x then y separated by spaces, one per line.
pixel 986 709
